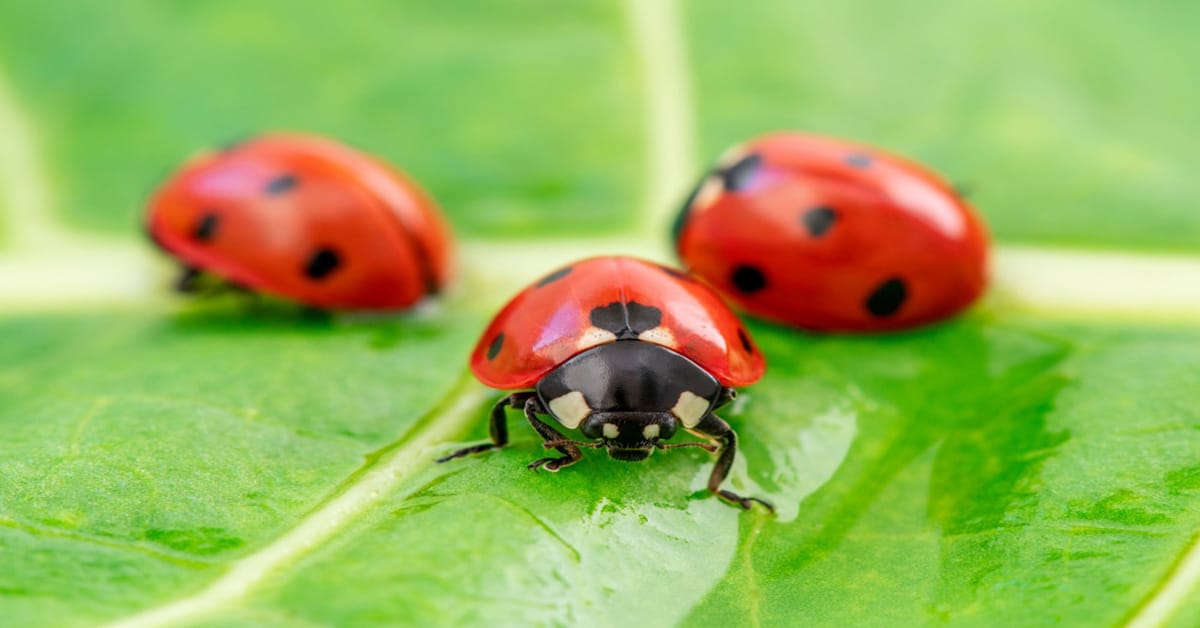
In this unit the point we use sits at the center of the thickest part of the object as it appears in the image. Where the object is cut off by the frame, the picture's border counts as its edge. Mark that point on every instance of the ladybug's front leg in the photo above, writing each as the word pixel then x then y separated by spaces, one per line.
pixel 571 452
pixel 497 426
pixel 714 427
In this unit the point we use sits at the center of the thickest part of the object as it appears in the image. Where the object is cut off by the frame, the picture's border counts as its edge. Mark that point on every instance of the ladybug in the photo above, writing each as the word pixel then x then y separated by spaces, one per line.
pixel 626 351
pixel 831 235
pixel 305 218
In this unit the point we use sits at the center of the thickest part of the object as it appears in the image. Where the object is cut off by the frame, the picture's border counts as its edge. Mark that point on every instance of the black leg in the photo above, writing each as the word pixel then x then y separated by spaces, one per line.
pixel 570 450
pixel 497 426
pixel 195 281
pixel 189 280
pixel 713 427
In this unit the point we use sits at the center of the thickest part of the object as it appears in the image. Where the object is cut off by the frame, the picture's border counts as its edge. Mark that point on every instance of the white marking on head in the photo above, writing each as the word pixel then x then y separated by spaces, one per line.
pixel 650 431
pixel 710 191
pixel 690 408
pixel 593 336
pixel 570 409
pixel 611 431
pixel 660 336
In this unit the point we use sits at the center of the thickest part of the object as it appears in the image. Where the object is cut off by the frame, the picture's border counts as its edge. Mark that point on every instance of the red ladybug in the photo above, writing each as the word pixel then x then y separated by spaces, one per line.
pixel 304 218
pixel 627 352
pixel 831 235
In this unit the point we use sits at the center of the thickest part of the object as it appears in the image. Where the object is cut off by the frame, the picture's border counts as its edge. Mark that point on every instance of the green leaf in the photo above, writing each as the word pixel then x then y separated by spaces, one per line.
pixel 997 470
pixel 228 463
pixel 968 473
pixel 142 453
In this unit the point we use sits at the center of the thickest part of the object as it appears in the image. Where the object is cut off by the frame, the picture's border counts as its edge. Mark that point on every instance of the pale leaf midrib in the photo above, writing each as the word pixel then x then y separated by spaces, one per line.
pixel 376 483
pixel 1170 594
pixel 1085 285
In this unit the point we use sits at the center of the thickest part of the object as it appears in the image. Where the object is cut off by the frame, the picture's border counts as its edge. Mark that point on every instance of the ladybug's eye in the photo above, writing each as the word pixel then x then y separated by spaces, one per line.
pixel 206 227
pixel 323 261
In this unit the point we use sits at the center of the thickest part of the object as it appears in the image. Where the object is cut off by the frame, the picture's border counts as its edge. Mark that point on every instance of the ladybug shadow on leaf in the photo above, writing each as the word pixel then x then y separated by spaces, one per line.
pixel 239 312
pixel 229 308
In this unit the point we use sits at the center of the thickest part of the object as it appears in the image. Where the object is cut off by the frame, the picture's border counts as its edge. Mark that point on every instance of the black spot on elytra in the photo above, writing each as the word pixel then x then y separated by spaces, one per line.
pixel 281 184
pixel 818 220
pixel 739 175
pixel 748 279
pixel 322 262
pixel 887 297
pixel 746 344
pixel 554 276
pixel 495 346
pixel 206 227
pixel 859 160
pixel 626 320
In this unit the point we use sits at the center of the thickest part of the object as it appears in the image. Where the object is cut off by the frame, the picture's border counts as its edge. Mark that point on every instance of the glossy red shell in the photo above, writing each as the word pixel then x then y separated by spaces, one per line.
pixel 550 321
pixel 281 199
pixel 889 244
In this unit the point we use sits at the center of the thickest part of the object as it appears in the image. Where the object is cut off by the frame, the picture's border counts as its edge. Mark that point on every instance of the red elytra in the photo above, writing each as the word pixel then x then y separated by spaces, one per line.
pixel 305 218
pixel 832 235
pixel 557 317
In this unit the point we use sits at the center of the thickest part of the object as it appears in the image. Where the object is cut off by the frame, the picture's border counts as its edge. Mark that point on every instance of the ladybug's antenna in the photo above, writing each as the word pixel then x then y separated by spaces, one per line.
pixel 709 447
pixel 551 444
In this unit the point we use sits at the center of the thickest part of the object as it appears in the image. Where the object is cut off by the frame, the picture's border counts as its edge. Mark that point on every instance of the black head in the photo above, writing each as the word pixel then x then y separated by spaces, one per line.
pixel 629 396
pixel 629 436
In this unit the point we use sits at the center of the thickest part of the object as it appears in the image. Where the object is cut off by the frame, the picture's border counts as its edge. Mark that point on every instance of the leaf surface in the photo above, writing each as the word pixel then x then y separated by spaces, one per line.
pixel 231 464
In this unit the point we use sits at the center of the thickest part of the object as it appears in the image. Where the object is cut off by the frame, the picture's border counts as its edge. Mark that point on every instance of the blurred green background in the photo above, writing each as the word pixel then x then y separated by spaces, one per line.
pixel 1069 121
pixel 1011 467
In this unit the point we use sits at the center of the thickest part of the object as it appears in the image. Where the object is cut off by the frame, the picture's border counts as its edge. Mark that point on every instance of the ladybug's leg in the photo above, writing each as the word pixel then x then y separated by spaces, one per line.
pixel 498 426
pixel 714 427
pixel 189 280
pixel 569 449
pixel 193 280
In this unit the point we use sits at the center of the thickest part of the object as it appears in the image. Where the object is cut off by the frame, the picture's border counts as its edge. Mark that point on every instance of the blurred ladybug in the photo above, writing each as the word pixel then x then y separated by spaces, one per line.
pixel 305 218
pixel 831 235
pixel 626 351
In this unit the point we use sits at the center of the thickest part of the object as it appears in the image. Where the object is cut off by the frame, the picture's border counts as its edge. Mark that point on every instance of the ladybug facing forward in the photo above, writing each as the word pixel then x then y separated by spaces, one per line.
pixel 625 351
pixel 831 235
pixel 305 218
